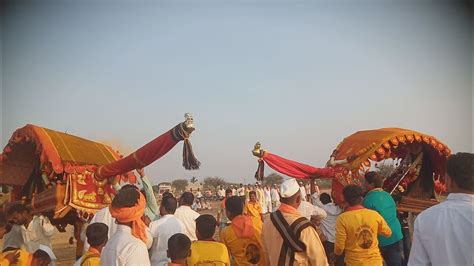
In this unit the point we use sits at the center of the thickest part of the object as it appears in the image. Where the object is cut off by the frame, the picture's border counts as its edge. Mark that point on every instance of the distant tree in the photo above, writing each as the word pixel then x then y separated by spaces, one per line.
pixel 273 178
pixel 213 182
pixel 193 180
pixel 179 184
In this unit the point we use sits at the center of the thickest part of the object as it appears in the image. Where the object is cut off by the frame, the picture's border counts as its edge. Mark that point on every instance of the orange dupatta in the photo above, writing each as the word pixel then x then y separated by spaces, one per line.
pixel 133 214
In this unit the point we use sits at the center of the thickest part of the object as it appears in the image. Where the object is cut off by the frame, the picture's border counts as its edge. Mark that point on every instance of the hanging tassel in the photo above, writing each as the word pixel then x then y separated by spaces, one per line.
pixel 190 162
pixel 259 174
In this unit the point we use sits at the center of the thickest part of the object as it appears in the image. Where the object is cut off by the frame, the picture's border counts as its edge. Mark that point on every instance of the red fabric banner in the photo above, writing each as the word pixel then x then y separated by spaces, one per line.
pixel 296 169
pixel 141 157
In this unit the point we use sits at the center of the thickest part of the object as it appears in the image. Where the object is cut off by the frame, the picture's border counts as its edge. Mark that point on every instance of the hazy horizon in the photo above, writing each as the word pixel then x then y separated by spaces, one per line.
pixel 296 76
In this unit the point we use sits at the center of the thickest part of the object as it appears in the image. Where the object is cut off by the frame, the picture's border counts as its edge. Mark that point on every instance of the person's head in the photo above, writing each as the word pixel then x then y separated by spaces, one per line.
pixel 234 207
pixel 325 198
pixel 3 224
pixel 301 184
pixel 290 193
pixel 228 193
pixel 186 199
pixel 129 186
pixel 125 198
pixel 132 186
pixel 373 180
pixel 166 194
pixel 205 227
pixel 168 205
pixel 199 189
pixel 179 248
pixel 19 214
pixel 97 235
pixel 352 194
pixel 241 185
pixel 253 196
pixel 460 169
pixel 40 258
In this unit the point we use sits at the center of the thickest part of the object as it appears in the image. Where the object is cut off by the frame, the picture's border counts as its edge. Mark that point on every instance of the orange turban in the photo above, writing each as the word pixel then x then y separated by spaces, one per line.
pixel 132 214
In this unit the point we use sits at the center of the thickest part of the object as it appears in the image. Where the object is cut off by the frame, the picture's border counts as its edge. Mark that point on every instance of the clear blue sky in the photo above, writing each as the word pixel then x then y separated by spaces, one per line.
pixel 299 76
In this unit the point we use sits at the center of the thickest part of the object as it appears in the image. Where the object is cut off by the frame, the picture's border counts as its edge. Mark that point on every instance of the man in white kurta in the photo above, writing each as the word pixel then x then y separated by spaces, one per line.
pixel 14 238
pixel 260 196
pixel 267 203
pixel 162 229
pixel 309 211
pixel 127 246
pixel 275 197
pixel 36 230
pixel 444 233
pixel 302 191
pixel 124 249
pixel 102 216
pixel 187 215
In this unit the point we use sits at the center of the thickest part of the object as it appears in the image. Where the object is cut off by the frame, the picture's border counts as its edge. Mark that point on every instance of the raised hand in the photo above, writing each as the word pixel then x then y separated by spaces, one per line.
pixel 141 172
pixel 12 257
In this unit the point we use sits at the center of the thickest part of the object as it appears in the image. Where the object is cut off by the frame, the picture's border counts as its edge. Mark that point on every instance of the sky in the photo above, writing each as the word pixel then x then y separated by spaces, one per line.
pixel 298 76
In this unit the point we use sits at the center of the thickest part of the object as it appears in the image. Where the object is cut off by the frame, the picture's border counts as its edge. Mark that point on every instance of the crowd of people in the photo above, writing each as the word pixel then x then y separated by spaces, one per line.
pixel 288 224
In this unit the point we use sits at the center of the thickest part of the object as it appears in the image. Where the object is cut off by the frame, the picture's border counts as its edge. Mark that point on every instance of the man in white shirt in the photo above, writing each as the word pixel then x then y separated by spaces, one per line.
pixel 328 224
pixel 127 246
pixel 241 192
pixel 275 197
pixel 310 211
pixel 220 193
pixel 307 188
pixel 104 216
pixel 187 215
pixel 162 229
pixel 199 199
pixel 234 191
pixel 443 234
pixel 13 239
pixel 302 191
pixel 36 230
pixel 267 202
pixel 260 196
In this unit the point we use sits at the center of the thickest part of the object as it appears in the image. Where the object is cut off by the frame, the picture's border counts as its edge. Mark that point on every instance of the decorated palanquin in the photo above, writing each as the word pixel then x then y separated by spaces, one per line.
pixel 419 159
pixel 67 177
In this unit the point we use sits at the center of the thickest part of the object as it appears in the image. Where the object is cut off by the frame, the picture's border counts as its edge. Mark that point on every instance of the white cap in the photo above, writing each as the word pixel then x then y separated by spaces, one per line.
pixel 289 188
pixel 49 251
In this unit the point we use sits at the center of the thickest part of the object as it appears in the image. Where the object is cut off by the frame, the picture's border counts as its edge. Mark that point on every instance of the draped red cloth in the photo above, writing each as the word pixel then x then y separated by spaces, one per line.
pixel 295 169
pixel 142 157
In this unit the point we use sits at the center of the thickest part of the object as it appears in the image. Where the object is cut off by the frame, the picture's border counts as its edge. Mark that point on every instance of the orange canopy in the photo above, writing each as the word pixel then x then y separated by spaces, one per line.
pixel 379 144
pixel 56 152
